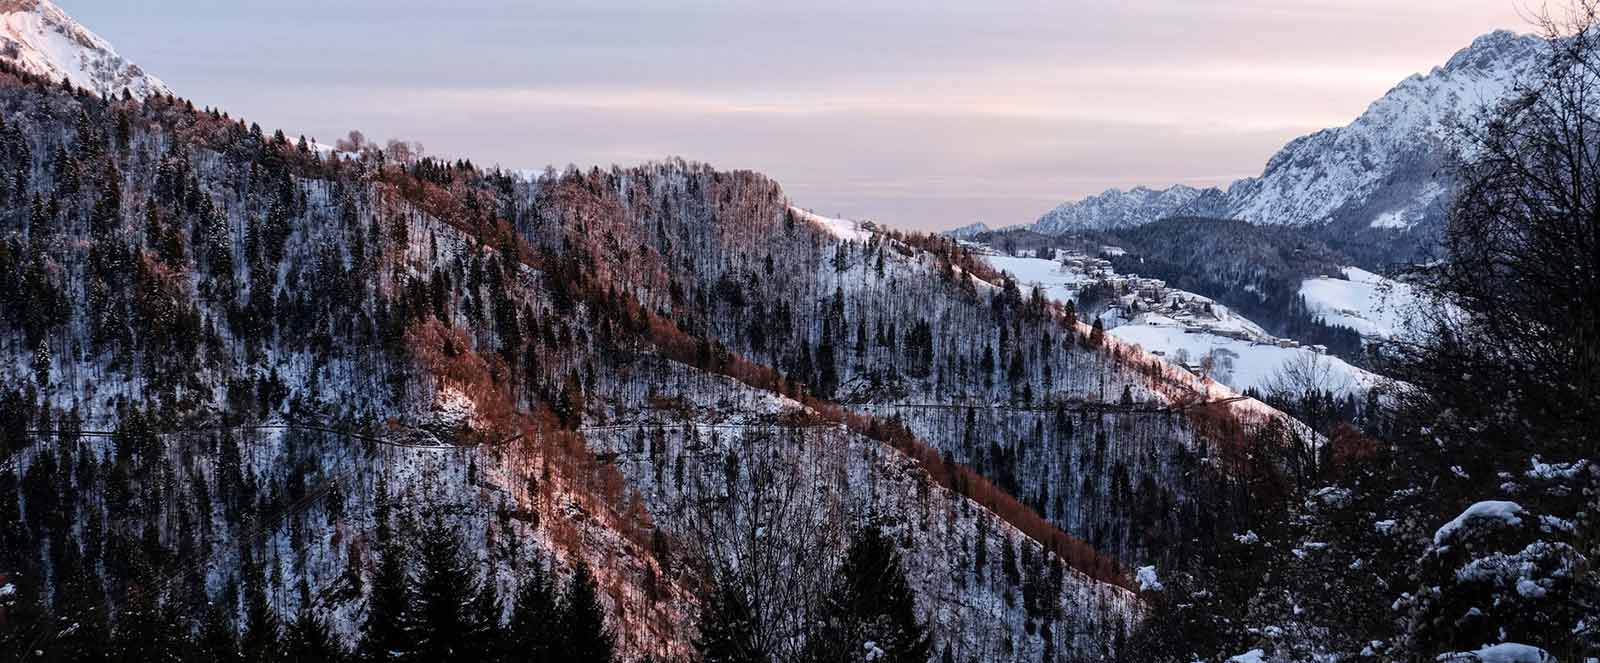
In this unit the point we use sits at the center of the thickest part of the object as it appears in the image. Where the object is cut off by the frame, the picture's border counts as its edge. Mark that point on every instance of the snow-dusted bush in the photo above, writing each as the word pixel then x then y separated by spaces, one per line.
pixel 1495 575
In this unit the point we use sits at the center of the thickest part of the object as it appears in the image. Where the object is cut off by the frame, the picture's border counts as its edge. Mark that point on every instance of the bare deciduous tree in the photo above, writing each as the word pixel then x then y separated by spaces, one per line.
pixel 353 142
pixel 1305 373
pixel 1522 274
pixel 774 535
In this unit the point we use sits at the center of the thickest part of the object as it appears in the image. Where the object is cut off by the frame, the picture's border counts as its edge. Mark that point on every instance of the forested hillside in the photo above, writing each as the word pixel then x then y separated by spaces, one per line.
pixel 265 399
pixel 263 396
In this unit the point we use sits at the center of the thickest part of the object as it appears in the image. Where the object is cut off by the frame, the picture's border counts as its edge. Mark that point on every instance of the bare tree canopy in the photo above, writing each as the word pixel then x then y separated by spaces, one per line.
pixel 1521 280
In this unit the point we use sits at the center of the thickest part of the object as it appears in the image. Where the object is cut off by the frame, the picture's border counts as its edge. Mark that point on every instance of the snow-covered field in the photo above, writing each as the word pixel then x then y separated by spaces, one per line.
pixel 1372 305
pixel 1253 364
pixel 1189 336
pixel 841 228
pixel 1046 274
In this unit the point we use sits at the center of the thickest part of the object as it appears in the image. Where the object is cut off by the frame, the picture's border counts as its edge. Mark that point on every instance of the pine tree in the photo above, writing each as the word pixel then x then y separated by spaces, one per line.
pixel 534 630
pixel 146 631
pixel 81 595
pixel 263 633
pixel 587 637
pixel 308 639
pixel 41 363
pixel 727 628
pixel 489 643
pixel 218 640
pixel 873 614
pixel 444 590
pixel 386 635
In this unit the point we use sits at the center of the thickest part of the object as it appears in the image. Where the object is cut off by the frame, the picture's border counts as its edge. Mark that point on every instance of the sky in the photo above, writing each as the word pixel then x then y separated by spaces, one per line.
pixel 924 114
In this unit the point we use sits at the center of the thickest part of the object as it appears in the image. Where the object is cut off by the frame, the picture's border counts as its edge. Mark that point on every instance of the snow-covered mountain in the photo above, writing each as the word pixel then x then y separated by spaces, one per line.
pixel 1384 170
pixel 41 39
pixel 497 383
pixel 966 231
pixel 1116 208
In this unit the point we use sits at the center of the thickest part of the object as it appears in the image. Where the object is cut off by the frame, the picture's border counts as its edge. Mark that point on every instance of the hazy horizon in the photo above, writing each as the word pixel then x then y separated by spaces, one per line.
pixel 919 115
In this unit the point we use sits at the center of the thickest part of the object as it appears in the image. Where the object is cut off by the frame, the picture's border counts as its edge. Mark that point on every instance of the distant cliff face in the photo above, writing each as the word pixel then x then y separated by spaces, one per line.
pixel 969 230
pixel 41 39
pixel 1384 170
pixel 1121 209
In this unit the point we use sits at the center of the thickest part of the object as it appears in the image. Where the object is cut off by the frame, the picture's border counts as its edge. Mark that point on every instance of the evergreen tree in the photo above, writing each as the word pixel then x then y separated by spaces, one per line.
pixel 146 631
pixel 490 643
pixel 263 633
pixel 446 621
pixel 386 634
pixel 873 614
pixel 308 639
pixel 587 637
pixel 218 638
pixel 727 628
pixel 534 631
pixel 81 595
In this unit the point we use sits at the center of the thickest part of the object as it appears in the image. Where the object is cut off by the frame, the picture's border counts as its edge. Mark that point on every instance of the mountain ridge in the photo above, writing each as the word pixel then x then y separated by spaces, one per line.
pixel 41 38
pixel 434 296
pixel 1383 170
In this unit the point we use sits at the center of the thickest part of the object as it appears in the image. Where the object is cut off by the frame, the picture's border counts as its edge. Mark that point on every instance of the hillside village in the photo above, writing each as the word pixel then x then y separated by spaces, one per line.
pixel 1123 302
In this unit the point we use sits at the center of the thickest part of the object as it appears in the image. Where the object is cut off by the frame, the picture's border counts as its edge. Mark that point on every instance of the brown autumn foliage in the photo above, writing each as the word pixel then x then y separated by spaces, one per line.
pixel 1349 448
pixel 446 352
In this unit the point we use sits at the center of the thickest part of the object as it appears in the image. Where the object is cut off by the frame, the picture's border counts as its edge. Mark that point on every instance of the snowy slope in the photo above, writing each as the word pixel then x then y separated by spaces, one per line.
pixel 1377 157
pixel 1383 170
pixel 41 39
pixel 1374 306
pixel 1248 364
pixel 845 229
pixel 676 458
pixel 1246 355
pixel 1057 283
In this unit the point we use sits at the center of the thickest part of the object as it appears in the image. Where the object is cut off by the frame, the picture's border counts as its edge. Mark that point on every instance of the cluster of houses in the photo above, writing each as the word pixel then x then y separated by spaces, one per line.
pixel 1093 267
pixel 1148 299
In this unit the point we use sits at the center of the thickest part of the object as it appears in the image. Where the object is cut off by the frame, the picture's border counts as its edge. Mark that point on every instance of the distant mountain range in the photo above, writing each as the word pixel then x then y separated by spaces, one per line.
pixel 43 40
pixel 1385 170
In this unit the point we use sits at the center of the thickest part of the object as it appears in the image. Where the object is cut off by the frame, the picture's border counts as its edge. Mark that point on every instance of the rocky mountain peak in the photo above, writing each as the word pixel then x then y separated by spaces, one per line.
pixel 39 37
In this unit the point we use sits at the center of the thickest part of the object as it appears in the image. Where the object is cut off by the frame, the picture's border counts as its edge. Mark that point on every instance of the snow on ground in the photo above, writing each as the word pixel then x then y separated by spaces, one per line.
pixel 1372 305
pixel 1186 309
pixel 1191 328
pixel 1390 219
pixel 1253 363
pixel 1061 283
pixel 1058 283
pixel 1505 652
pixel 675 457
pixel 44 40
pixel 1252 656
pixel 841 228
